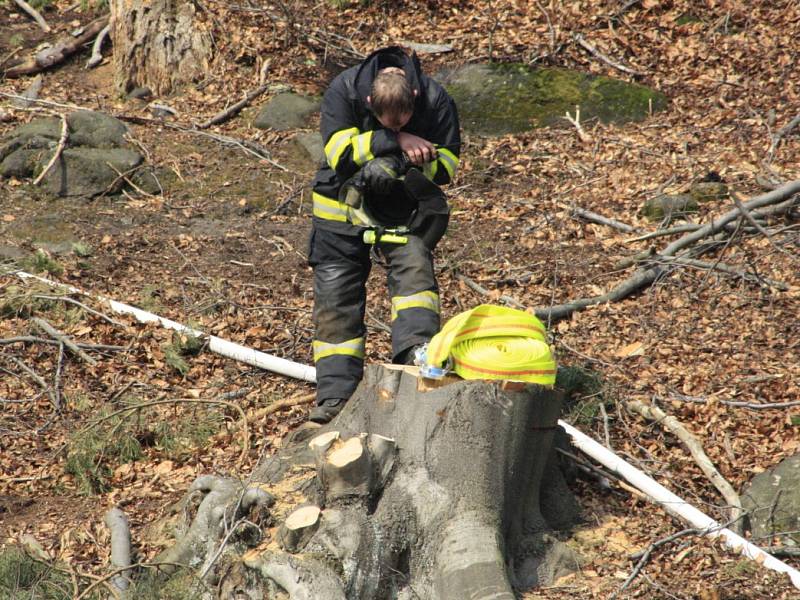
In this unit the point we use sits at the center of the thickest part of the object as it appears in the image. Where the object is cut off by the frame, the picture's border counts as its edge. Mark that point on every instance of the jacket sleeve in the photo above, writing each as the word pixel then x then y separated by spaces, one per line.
pixel 446 136
pixel 347 148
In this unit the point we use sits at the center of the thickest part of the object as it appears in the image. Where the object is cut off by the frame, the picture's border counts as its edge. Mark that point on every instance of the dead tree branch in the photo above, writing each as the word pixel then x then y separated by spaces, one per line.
pixel 780 134
pixel 34 14
pixel 675 427
pixel 97 55
pixel 646 276
pixel 63 339
pixel 58 53
pixel 576 122
pixel 594 217
pixel 234 109
pixel 581 41
pixel 62 141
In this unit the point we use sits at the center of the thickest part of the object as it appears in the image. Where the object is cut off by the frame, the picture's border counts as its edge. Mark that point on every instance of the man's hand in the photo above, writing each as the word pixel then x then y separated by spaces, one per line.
pixel 418 150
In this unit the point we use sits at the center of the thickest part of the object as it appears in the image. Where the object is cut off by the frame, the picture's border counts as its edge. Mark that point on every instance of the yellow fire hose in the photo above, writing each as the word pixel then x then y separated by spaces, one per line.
pixel 492 342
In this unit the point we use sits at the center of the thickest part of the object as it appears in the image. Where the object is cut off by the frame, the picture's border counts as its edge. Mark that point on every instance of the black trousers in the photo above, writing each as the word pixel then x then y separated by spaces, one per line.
pixel 342 265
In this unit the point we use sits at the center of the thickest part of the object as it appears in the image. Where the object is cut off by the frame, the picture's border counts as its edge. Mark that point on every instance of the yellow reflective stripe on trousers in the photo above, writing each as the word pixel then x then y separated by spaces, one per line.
pixel 449 160
pixel 337 144
pixel 429 300
pixel 495 342
pixel 354 347
pixel 327 208
pixel 361 148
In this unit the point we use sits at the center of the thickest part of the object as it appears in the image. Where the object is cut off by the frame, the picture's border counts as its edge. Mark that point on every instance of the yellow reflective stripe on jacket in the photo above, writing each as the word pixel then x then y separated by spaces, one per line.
pixel 337 144
pixel 495 342
pixel 354 347
pixel 429 169
pixel 327 208
pixel 361 148
pixel 429 300
pixel 449 160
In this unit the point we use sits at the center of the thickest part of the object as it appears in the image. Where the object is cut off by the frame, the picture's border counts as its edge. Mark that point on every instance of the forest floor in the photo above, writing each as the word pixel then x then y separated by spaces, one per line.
pixel 224 249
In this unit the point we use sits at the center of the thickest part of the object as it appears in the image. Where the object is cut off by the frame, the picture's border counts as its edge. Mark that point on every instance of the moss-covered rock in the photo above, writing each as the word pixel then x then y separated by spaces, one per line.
pixel 772 499
pixel 708 191
pixel 669 205
pixel 88 171
pixel 496 99
pixel 287 111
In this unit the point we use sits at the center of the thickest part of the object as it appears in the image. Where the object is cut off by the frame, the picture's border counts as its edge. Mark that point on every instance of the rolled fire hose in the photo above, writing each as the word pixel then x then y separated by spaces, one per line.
pixel 670 502
pixel 492 342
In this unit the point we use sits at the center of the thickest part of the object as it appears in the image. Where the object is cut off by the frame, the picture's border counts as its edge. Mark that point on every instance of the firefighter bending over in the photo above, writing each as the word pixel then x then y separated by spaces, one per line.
pixel 391 138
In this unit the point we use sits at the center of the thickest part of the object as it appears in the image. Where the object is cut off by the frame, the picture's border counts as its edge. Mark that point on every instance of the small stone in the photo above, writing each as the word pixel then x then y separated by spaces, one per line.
pixel 672 205
pixel 707 191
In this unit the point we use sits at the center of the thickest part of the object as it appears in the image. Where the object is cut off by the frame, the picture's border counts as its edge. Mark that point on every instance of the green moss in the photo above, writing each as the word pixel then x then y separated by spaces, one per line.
pixel 583 392
pixel 687 18
pixel 509 98
pixel 23 577
pixel 41 262
pixel 94 452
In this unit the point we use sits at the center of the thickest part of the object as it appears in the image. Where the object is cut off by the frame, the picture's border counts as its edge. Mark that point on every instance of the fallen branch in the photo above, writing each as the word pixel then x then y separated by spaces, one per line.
pixel 28 339
pixel 737 404
pixel 97 55
pixel 662 232
pixel 281 404
pixel 64 339
pixel 723 268
pixel 782 196
pixel 644 555
pixel 576 121
pixel 62 141
pixel 781 133
pixel 34 14
pixel 594 217
pixel 597 54
pixel 31 93
pixel 484 292
pixel 58 53
pixel 232 110
pixel 82 306
pixel 674 426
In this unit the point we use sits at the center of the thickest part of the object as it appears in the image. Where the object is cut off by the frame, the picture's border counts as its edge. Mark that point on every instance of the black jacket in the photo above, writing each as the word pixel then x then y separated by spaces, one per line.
pixel 352 135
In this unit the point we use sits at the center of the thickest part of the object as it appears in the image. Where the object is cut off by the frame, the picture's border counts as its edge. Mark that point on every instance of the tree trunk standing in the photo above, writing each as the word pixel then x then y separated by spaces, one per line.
pixel 432 494
pixel 159 44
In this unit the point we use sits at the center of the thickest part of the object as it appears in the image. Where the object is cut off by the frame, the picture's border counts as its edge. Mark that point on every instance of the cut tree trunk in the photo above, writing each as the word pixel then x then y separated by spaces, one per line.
pixel 159 44
pixel 445 493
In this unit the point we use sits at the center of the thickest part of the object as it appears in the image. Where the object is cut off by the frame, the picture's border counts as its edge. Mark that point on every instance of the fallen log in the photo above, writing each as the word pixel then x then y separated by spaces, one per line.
pixel 58 53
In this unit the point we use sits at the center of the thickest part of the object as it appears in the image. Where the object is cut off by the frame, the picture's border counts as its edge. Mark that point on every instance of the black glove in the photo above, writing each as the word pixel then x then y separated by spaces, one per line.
pixel 379 173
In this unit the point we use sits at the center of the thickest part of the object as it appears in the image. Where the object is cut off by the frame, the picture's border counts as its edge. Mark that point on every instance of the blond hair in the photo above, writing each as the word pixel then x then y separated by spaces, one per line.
pixel 391 93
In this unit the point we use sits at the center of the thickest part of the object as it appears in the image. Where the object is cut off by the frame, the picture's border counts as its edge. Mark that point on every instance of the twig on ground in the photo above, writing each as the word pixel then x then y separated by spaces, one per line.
pixel 645 555
pixel 597 54
pixel 702 460
pixel 594 217
pixel 484 292
pixel 64 339
pixel 57 377
pixel 35 376
pixel 780 134
pixel 34 14
pixel 576 121
pixel 549 27
pixel 274 407
pixel 31 339
pixel 62 141
pixel 723 268
pixel 82 306
pixel 662 232
pixel 232 110
pixel 97 55
pixel 737 404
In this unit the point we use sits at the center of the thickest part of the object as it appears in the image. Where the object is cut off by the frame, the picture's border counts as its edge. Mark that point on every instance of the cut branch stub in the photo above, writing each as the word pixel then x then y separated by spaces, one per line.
pixel 298 528
pixel 346 470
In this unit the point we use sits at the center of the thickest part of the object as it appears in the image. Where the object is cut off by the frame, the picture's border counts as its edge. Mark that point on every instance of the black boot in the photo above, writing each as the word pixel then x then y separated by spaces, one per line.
pixel 326 410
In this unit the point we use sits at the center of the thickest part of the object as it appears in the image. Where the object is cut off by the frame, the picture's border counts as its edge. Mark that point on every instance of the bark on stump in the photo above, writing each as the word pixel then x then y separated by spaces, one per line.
pixel 440 494
pixel 159 44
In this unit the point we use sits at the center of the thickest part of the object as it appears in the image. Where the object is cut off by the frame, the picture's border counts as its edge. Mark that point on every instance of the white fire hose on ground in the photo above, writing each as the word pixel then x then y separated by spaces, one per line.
pixel 670 502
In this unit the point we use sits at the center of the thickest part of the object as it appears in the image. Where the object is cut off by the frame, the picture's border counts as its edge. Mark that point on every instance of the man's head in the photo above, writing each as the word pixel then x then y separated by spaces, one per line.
pixel 392 99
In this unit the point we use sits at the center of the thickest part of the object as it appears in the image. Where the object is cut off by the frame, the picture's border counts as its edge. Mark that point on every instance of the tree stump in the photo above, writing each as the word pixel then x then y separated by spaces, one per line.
pixel 443 493
pixel 158 44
